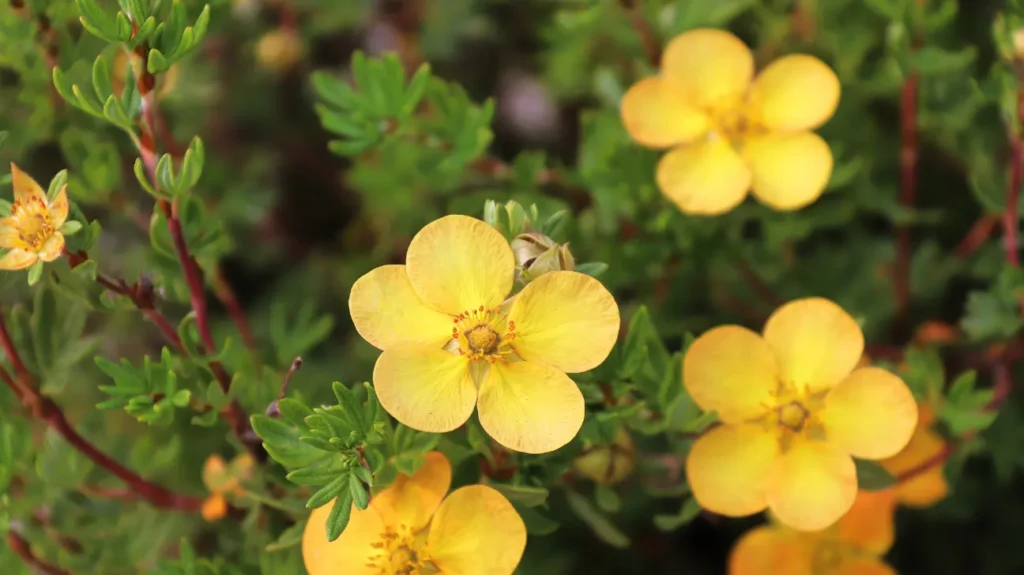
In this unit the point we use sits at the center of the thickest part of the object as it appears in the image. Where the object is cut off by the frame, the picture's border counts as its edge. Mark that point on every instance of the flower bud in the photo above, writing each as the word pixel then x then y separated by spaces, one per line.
pixel 279 50
pixel 537 254
pixel 608 464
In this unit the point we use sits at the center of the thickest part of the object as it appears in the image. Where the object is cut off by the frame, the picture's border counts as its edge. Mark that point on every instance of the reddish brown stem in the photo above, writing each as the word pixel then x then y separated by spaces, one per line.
pixel 926 465
pixel 44 409
pixel 23 550
pixel 976 236
pixel 1011 216
pixel 908 189
pixel 227 296
pixel 762 289
pixel 643 30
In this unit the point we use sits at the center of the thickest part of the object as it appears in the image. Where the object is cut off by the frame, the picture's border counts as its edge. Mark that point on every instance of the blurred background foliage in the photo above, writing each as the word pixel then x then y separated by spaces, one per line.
pixel 320 159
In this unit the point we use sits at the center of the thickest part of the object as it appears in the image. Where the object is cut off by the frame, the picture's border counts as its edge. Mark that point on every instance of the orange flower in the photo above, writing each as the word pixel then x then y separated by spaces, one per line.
pixel 853 545
pixel 222 480
pixel 927 487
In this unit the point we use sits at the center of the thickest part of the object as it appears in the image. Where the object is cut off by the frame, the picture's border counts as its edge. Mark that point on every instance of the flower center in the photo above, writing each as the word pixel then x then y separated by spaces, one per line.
pixel 732 123
pixel 484 334
pixel 401 551
pixel 793 415
pixel 33 222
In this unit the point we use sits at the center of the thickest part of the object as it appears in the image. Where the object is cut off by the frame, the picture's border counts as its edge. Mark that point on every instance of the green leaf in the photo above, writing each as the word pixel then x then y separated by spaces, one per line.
pixel 415 90
pixel 337 521
pixel 607 499
pixel 689 511
pixel 871 476
pixel 59 181
pixel 522 495
pixel 891 9
pixel 71 227
pixel 289 538
pixel 320 474
pixel 282 442
pixel 101 79
pixel 592 269
pixel 294 411
pixel 931 60
pixel 96 22
pixel 333 489
pixel 536 522
pixel 157 62
pixel 598 523
pixel 357 490
pixel 350 406
pixel 35 273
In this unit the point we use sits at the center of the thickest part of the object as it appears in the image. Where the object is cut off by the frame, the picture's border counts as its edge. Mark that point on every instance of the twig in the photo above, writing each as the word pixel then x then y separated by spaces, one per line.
pixel 762 289
pixel 43 408
pixel 22 549
pixel 1011 217
pixel 908 188
pixel 643 30
pixel 274 409
pixel 222 287
pixel 976 236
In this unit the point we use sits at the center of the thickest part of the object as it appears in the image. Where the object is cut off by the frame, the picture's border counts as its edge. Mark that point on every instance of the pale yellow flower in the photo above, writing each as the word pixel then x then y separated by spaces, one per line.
pixel 412 528
pixel 32 231
pixel 730 132
pixel 452 341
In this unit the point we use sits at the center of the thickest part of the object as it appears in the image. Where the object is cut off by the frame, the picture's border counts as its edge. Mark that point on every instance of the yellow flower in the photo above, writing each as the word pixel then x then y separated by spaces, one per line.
pixel 730 132
pixel 409 529
pixel 928 487
pixel 222 480
pixel 279 49
pixel 794 410
pixel 852 546
pixel 451 340
pixel 608 464
pixel 32 231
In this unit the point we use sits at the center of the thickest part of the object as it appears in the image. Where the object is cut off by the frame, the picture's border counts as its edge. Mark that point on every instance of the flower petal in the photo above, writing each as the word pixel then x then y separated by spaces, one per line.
pixel 9 236
pixel 25 187
pixel 412 500
pixel 59 207
pixel 794 93
pixel 565 319
pixel 476 531
pixel 350 553
pixel 713 68
pixel 812 485
pixel 789 171
pixel 731 370
pixel 870 525
pixel 530 407
pixel 704 178
pixel 52 247
pixel 425 388
pixel 816 342
pixel 17 260
pixel 388 313
pixel 871 414
pixel 727 468
pixel 215 473
pixel 215 507
pixel 772 550
pixel 459 263
pixel 655 114
pixel 928 487
pixel 865 566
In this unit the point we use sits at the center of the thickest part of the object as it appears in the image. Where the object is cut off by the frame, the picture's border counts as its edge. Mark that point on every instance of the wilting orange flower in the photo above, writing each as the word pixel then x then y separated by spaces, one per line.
pixel 224 480
pixel 412 528
pixel 730 132
pixel 794 410
pixel 852 546
pixel 926 487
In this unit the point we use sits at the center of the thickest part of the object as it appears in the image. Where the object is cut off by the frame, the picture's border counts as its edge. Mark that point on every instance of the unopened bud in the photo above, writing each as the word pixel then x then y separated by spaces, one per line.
pixel 537 254
pixel 608 464
pixel 279 50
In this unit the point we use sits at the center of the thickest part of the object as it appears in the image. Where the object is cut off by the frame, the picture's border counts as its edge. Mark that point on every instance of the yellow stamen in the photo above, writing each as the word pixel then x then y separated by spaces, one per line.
pixel 484 334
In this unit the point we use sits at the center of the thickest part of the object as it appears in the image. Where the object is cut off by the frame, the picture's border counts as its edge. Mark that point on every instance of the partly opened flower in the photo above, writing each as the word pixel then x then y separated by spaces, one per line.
pixel 411 527
pixel 224 480
pixel 925 484
pixel 852 546
pixel 794 410
pixel 729 131
pixel 451 341
pixel 32 231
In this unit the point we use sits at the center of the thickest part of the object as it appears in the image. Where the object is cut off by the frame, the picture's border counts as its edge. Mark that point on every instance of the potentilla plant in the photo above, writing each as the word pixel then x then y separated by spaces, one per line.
pixel 494 288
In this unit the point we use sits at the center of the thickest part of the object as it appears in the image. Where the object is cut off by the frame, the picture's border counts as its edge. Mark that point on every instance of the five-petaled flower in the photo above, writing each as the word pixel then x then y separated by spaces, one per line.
pixel 730 132
pixel 854 545
pixel 794 410
pixel 451 340
pixel 32 231
pixel 410 528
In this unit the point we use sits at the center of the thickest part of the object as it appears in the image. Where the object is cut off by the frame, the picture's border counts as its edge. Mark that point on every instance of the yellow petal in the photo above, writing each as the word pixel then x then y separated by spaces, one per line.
pixel 52 247
pixel 713 68
pixel 871 414
pixel 817 343
pixel 655 114
pixel 350 553
pixel 388 313
pixel 214 473
pixel 789 171
pixel 425 388
pixel 25 188
pixel 530 407
pixel 476 531
pixel 772 550
pixel 869 525
pixel 865 566
pixel 728 466
pixel 812 485
pixel 731 370
pixel 704 178
pixel 565 319
pixel 59 207
pixel 17 260
pixel 928 487
pixel 9 236
pixel 794 93
pixel 459 263
pixel 412 500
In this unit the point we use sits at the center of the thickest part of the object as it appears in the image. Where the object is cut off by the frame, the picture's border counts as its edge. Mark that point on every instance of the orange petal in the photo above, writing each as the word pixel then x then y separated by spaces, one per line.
pixel 17 260
pixel 812 485
pixel 655 114
pixel 794 93
pixel 476 531
pixel 728 466
pixel 928 487
pixel 869 525
pixel 871 414
pixel 25 187
pixel 352 552
pixel 772 550
pixel 790 170
pixel 215 507
pixel 412 500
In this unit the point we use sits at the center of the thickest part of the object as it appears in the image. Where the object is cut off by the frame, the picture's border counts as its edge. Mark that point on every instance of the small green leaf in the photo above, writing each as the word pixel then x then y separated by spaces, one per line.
pixel 333 489
pixel 592 269
pixel 337 521
pixel 607 499
pixel 35 272
pixel 157 63
pixel 283 444
pixel 871 476
pixel 522 495
pixel 598 523
pixel 350 405
pixel 360 496
pixel 689 512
